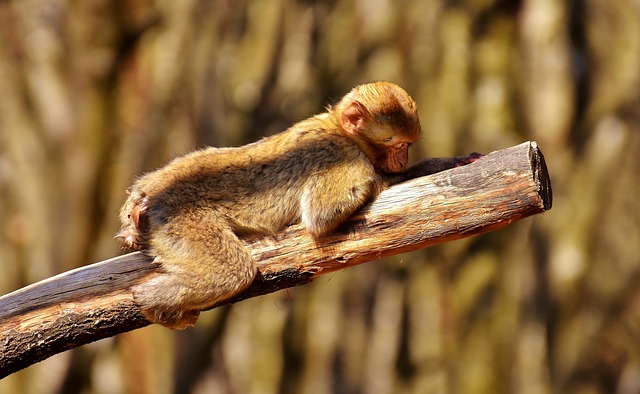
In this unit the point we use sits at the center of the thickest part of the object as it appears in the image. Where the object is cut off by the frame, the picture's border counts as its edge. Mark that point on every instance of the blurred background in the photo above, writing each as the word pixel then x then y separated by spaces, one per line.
pixel 93 93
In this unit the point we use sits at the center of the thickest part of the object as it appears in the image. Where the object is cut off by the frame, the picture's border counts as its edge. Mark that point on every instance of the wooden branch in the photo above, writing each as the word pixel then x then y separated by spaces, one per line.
pixel 95 302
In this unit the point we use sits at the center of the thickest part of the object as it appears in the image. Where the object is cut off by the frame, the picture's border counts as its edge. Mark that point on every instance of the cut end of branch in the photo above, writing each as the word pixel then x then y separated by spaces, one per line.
pixel 541 175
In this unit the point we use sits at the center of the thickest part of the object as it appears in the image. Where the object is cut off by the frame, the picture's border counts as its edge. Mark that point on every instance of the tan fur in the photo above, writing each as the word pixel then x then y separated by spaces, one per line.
pixel 188 215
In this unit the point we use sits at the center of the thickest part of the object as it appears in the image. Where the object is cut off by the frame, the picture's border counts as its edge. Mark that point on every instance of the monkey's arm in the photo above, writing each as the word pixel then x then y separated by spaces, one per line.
pixel 331 197
pixel 96 301
pixel 430 166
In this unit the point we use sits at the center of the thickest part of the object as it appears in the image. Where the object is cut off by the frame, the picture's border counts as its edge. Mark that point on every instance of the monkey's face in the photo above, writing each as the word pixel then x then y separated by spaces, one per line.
pixel 390 138
pixel 385 140
pixel 382 119
pixel 391 154
pixel 397 157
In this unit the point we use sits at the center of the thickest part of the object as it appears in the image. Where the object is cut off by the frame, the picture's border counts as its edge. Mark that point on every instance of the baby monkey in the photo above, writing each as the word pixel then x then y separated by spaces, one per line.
pixel 189 214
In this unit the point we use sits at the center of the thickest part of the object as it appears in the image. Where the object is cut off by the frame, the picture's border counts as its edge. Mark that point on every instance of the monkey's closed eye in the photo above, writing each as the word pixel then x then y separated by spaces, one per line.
pixel 401 145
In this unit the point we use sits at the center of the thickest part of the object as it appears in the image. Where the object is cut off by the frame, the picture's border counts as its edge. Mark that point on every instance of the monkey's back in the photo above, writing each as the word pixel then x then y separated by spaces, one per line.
pixel 255 188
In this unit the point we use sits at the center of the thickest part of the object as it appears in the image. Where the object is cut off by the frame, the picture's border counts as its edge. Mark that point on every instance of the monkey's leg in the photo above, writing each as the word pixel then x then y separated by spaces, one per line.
pixel 203 262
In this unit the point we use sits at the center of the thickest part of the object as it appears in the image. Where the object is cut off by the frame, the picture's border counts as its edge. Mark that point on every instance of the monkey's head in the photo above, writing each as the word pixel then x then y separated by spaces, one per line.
pixel 382 119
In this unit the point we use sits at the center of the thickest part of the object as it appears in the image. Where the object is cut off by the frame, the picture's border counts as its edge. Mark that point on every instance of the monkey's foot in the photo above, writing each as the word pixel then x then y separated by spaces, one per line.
pixel 134 227
pixel 165 300
pixel 175 320
pixel 170 316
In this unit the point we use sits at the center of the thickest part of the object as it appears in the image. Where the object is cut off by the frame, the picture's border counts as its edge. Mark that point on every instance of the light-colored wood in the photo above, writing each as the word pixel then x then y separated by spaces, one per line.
pixel 95 301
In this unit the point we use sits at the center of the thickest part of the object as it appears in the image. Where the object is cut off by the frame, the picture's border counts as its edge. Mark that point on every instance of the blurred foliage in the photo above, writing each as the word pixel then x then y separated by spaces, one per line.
pixel 95 92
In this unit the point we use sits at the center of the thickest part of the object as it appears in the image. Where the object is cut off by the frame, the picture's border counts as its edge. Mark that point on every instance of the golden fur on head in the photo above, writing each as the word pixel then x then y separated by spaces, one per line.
pixel 387 103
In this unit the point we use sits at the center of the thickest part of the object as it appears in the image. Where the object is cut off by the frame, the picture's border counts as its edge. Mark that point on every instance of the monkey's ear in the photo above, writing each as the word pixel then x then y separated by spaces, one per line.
pixel 353 118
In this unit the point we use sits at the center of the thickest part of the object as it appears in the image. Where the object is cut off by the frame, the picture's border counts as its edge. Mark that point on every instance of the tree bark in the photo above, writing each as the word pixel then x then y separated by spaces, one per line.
pixel 95 301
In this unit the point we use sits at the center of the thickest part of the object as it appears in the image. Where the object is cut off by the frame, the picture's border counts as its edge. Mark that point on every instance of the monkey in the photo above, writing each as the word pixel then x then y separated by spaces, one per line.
pixel 188 216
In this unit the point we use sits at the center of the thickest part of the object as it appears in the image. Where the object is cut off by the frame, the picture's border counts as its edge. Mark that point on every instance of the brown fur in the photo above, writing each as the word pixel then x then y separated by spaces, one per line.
pixel 188 215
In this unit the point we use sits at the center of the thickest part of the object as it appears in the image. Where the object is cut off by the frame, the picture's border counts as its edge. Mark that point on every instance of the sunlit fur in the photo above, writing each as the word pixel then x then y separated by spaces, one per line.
pixel 189 214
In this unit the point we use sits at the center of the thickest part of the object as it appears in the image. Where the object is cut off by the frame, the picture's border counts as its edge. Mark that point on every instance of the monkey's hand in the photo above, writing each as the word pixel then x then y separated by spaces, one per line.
pixel 431 166
pixel 468 159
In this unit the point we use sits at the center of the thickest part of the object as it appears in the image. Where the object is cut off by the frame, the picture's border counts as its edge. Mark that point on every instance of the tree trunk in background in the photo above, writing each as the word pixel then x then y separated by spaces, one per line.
pixel 94 93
